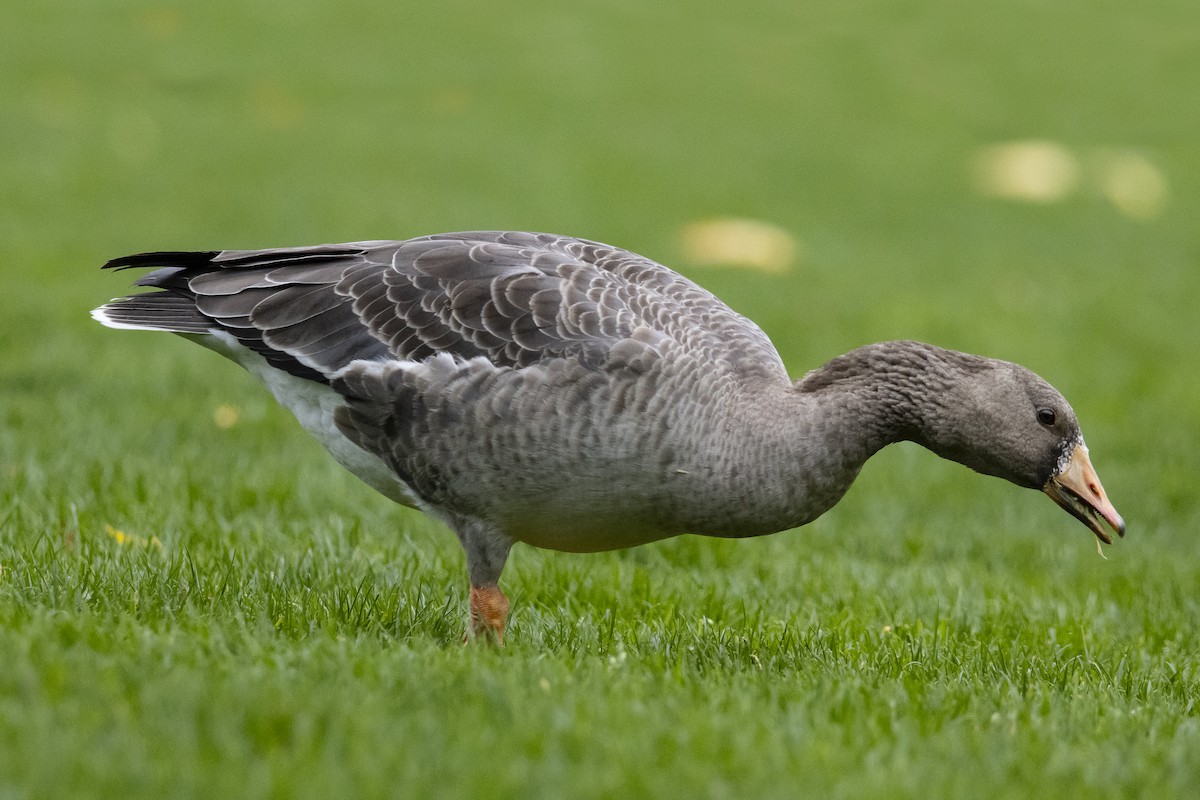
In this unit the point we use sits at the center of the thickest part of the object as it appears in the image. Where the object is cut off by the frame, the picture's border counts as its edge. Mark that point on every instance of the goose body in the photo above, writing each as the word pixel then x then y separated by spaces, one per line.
pixel 575 396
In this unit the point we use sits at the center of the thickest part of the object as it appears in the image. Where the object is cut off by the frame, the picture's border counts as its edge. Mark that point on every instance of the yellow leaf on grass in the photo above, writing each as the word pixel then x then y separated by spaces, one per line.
pixel 735 242
pixel 1034 171
pixel 123 538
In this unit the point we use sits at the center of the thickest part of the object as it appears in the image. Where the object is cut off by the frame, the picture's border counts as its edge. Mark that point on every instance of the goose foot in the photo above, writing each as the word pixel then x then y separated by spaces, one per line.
pixel 489 610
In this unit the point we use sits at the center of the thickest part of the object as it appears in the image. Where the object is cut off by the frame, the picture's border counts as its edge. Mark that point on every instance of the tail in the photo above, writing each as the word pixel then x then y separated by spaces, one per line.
pixel 171 309
pixel 283 304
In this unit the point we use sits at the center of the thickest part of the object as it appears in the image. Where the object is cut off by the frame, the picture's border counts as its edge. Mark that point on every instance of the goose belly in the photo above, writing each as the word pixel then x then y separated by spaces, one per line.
pixel 313 405
pixel 572 532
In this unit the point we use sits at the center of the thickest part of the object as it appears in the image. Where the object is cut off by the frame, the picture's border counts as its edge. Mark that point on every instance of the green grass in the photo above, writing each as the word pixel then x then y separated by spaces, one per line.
pixel 267 627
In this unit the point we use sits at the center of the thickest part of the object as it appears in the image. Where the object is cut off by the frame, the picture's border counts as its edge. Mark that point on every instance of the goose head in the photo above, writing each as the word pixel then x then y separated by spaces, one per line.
pixel 1002 419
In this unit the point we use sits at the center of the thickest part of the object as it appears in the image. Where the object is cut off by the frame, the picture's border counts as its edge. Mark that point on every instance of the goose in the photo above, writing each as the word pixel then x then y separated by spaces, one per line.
pixel 556 391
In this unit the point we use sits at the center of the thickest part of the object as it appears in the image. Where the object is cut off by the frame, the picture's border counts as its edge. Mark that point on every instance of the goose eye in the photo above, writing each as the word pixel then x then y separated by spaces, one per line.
pixel 1046 416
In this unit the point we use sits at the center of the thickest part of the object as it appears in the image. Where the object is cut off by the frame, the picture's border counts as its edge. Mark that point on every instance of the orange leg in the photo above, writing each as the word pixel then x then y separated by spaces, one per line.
pixel 489 610
pixel 486 550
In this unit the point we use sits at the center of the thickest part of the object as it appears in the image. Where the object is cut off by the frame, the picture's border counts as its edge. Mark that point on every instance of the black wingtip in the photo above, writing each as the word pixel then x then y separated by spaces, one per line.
pixel 164 258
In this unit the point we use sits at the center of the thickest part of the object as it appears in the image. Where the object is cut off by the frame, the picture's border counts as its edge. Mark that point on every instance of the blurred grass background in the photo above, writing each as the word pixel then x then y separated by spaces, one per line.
pixel 855 128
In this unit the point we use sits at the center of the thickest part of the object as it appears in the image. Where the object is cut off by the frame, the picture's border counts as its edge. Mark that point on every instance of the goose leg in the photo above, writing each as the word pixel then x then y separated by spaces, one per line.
pixel 486 552
pixel 489 610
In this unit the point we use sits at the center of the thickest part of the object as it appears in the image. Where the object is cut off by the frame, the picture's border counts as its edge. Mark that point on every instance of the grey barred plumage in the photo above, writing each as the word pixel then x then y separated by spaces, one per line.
pixel 571 395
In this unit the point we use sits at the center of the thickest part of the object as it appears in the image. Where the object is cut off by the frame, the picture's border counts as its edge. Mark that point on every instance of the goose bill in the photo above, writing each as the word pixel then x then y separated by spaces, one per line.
pixel 1077 489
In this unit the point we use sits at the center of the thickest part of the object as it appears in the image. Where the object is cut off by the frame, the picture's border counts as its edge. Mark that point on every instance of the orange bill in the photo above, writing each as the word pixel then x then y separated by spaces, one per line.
pixel 1077 489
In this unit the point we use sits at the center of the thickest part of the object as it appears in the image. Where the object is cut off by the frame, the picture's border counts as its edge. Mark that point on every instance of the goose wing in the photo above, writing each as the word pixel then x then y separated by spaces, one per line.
pixel 515 299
